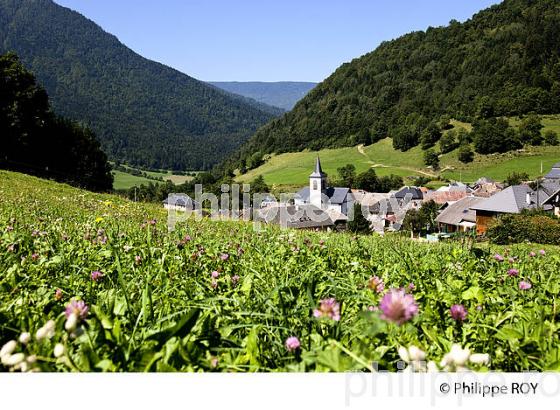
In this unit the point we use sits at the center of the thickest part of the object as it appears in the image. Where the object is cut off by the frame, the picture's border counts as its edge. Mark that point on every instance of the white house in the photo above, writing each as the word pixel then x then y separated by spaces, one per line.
pixel 335 201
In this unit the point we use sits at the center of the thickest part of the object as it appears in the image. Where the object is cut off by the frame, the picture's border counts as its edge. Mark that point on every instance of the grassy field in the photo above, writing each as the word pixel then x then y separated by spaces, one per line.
pixel 293 169
pixel 96 283
pixel 125 180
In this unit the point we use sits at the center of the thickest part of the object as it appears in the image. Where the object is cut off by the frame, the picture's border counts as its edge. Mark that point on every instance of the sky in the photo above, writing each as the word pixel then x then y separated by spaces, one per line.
pixel 264 40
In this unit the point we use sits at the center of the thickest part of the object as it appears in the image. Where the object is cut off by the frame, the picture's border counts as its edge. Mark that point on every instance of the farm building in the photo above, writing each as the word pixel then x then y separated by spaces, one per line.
pixel 458 216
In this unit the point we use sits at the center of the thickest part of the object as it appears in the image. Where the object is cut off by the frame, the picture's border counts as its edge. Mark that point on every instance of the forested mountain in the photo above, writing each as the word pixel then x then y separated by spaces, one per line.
pixel 504 61
pixel 36 141
pixel 143 112
pixel 282 94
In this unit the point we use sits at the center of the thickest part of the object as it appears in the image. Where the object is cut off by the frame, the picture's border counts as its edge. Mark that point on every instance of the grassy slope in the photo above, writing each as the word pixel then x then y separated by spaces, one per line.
pixel 294 168
pixel 248 323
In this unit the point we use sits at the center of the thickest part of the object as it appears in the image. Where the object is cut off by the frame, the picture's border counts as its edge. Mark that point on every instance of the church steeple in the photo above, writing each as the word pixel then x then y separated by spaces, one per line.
pixel 318 173
pixel 317 185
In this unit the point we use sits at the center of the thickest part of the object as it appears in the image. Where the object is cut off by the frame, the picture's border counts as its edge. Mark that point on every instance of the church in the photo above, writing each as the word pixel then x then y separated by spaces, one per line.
pixel 337 202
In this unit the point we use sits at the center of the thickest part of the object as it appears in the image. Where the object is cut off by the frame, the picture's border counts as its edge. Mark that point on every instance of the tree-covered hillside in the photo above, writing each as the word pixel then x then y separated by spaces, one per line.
pixel 36 141
pixel 505 61
pixel 143 112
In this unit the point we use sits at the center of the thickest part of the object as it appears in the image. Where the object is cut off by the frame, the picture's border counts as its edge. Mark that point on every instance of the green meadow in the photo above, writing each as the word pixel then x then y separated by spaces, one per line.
pixel 293 169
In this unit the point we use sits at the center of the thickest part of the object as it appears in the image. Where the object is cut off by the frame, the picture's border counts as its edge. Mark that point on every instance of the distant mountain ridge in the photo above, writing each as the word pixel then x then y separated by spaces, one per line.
pixel 143 112
pixel 282 94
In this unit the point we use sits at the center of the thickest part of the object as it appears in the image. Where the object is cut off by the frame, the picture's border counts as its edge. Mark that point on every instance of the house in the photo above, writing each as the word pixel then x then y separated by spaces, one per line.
pixel 511 200
pixel 409 194
pixel 297 217
pixel 267 201
pixel 456 187
pixel 554 174
pixel 179 202
pixel 336 200
pixel 486 187
pixel 458 216
pixel 444 197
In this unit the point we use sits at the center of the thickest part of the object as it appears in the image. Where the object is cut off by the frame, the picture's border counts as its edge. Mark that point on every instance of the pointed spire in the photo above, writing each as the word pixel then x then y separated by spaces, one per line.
pixel 318 170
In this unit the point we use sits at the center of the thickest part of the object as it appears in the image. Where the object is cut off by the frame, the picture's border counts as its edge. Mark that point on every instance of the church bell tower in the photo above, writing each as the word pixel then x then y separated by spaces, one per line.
pixel 317 185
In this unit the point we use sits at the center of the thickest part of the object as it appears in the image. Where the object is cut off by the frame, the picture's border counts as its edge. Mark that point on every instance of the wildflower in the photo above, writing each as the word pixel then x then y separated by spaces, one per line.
pixel 413 353
pixel 47 331
pixel 24 338
pixel 214 362
pixel 398 306
pixel 127 248
pixel 77 307
pixel 58 294
pixel 498 257
pixel 58 350
pixel 513 272
pixel 13 360
pixel 8 348
pixel 328 308
pixel 35 232
pixel 375 283
pixel 458 312
pixel 511 260
pixel 372 308
pixel 187 238
pixel 224 256
pixel 413 356
pixel 542 252
pixel 152 222
pixel 96 275
pixel 98 219
pixel 479 307
pixel 71 322
pixel 431 367
pixel 214 284
pixel 215 274
pixel 456 358
pixel 532 254
pixel 525 285
pixel 138 259
pixel 411 286
pixel 9 228
pixel 479 358
pixel 292 343
pixel 34 256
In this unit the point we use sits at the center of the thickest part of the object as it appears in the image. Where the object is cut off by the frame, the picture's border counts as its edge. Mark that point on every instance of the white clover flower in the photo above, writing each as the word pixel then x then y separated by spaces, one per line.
pixel 416 354
pixel 71 322
pixel 413 356
pixel 24 338
pixel 58 350
pixel 479 358
pixel 403 354
pixel 458 355
pixel 8 348
pixel 13 359
pixel 47 331
pixel 432 367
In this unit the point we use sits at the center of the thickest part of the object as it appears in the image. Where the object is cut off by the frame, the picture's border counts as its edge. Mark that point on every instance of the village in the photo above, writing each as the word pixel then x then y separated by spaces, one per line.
pixel 461 208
